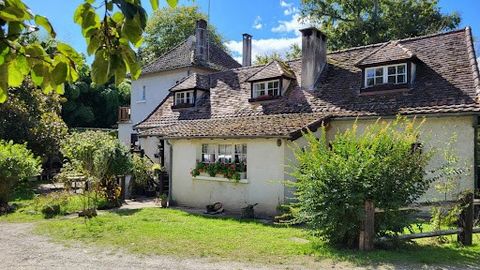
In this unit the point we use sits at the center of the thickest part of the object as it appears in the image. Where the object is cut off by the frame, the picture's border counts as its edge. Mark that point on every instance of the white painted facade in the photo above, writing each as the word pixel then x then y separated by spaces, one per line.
pixel 147 93
pixel 265 167
pixel 268 162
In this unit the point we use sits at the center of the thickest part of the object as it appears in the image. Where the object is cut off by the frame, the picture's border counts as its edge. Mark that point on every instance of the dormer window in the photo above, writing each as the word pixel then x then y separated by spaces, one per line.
pixel 391 74
pixel 266 89
pixel 184 97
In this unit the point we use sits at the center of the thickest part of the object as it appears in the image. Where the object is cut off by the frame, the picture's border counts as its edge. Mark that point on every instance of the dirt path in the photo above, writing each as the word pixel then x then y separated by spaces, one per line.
pixel 21 249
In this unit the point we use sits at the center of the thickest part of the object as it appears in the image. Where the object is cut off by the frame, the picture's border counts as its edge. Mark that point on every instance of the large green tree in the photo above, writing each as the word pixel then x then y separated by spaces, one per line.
pixel 350 23
pixel 111 28
pixel 294 52
pixel 168 27
pixel 30 116
pixel 92 105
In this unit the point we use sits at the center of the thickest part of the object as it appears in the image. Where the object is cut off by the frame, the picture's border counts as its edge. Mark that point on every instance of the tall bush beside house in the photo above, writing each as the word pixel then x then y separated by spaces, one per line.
pixel 16 163
pixel 100 157
pixel 334 179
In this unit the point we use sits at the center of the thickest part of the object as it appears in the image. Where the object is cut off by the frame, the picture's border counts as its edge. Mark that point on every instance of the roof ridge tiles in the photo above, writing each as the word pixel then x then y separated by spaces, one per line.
pixel 473 60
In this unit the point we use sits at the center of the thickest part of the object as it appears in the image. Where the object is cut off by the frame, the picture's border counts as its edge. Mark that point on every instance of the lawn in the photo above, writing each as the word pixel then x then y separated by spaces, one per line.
pixel 173 232
pixel 177 233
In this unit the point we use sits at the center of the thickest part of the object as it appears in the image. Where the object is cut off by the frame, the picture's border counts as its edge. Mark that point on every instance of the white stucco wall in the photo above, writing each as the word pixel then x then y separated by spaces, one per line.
pixel 156 89
pixel 265 162
pixel 436 133
pixel 124 131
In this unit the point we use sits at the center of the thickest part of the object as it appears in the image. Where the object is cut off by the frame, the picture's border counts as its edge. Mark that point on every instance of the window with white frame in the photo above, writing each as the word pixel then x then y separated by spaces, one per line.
pixel 225 153
pixel 208 153
pixel 267 88
pixel 184 97
pixel 391 74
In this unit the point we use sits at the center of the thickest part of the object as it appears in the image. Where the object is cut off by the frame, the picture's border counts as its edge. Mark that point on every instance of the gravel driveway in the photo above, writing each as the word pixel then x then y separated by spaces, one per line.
pixel 21 249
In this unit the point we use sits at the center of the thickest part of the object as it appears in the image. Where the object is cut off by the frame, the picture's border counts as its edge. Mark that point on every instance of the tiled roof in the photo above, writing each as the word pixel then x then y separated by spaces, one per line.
pixel 280 125
pixel 446 82
pixel 194 81
pixel 183 55
pixel 388 52
pixel 273 69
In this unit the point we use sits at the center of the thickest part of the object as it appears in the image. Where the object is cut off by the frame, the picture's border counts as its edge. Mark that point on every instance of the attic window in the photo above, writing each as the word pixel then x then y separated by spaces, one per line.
pixel 266 89
pixel 391 74
pixel 184 97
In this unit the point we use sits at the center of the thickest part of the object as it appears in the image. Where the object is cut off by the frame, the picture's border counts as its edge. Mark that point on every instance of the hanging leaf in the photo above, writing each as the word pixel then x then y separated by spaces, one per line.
pixel 15 76
pixel 60 73
pixel 154 4
pixel 100 67
pixel 45 23
pixel 172 3
pixel 3 83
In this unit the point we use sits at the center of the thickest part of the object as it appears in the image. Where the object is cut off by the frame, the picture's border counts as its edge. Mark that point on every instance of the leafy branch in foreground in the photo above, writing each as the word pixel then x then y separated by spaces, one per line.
pixel 109 39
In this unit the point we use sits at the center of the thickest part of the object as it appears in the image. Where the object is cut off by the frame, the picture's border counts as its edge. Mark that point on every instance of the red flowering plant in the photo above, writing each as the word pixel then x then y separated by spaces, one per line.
pixel 228 170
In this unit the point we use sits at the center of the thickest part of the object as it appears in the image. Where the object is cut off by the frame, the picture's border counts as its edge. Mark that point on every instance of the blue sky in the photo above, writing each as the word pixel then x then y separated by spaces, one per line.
pixel 273 23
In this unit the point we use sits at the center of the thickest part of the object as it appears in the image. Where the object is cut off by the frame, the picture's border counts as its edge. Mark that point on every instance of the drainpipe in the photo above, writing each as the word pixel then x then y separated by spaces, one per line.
pixel 170 149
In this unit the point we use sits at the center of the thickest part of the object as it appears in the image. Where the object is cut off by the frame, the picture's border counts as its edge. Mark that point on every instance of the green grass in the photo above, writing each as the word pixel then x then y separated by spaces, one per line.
pixel 173 232
pixel 28 204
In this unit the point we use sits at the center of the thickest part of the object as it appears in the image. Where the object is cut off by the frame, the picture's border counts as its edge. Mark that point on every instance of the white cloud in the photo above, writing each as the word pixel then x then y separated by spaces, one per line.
pixel 285 4
pixel 289 8
pixel 292 25
pixel 257 23
pixel 263 46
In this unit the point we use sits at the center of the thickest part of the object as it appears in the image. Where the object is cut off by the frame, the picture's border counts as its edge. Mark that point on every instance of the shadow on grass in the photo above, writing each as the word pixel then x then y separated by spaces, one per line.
pixel 124 212
pixel 410 253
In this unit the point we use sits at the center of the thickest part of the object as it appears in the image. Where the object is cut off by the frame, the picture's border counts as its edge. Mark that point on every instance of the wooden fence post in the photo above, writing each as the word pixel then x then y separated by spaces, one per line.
pixel 367 229
pixel 466 220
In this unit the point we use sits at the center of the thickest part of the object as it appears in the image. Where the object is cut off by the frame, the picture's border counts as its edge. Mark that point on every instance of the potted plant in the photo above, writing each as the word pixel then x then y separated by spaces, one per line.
pixel 163 200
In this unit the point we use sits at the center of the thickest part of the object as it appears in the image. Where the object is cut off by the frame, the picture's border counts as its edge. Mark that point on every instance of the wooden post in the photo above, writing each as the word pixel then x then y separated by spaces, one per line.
pixel 466 220
pixel 367 230
pixel 122 187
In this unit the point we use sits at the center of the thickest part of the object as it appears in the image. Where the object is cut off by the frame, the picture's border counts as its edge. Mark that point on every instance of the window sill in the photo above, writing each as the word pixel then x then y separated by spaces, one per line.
pixel 182 106
pixel 263 98
pixel 219 179
pixel 141 101
pixel 385 89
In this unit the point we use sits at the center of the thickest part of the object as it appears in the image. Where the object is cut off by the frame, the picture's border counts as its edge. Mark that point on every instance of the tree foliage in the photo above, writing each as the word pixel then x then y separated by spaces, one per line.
pixel 92 105
pixel 30 116
pixel 361 22
pixel 110 38
pixel 16 163
pixel 100 157
pixel 169 27
pixel 335 178
pixel 293 53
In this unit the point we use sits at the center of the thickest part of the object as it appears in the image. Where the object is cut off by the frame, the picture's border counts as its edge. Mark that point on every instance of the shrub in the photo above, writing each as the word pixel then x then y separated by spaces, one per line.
pixel 16 163
pixel 62 203
pixel 144 172
pixel 334 180
pixel 100 157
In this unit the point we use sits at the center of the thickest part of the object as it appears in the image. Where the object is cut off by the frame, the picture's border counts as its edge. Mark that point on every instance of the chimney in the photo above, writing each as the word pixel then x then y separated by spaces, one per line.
pixel 247 50
pixel 314 56
pixel 201 44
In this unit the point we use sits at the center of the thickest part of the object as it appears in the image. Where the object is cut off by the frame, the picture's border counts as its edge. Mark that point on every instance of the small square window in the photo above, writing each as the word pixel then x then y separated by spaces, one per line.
pixel 393 74
pixel 184 98
pixel 269 88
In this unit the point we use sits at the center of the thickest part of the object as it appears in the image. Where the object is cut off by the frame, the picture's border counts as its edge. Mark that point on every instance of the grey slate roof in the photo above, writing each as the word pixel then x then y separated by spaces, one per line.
pixel 183 55
pixel 390 51
pixel 274 69
pixel 447 81
pixel 194 81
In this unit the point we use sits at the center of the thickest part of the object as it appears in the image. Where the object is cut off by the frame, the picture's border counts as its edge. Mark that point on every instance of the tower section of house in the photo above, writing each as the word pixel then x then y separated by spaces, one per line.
pixel 194 55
